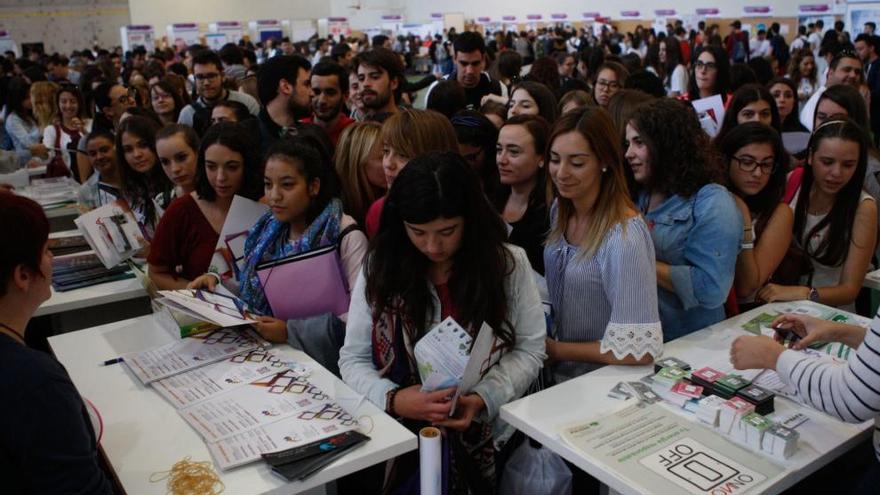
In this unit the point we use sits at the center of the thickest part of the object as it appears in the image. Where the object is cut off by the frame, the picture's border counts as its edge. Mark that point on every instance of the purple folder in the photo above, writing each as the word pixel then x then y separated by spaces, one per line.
pixel 305 284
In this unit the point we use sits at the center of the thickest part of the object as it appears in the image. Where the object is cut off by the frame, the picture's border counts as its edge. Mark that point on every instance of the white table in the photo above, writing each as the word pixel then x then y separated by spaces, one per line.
pixel 872 280
pixel 143 433
pixel 540 416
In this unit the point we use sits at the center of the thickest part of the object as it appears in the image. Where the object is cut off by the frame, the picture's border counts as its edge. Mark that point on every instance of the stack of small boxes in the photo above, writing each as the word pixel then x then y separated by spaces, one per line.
pixel 728 403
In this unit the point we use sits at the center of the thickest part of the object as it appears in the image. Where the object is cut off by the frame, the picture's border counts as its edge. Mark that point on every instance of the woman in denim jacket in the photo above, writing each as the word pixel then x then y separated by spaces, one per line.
pixel 694 221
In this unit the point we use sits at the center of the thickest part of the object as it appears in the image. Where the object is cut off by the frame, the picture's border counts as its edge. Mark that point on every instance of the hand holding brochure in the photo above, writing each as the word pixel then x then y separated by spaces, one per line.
pixel 229 253
pixel 223 311
pixel 112 232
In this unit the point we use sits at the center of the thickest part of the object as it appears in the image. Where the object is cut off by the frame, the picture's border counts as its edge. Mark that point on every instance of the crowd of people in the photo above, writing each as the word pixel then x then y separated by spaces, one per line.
pixel 551 167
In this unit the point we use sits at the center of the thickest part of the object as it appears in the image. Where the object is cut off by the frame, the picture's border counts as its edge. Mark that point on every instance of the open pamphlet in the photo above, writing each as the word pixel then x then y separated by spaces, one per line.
pixel 447 356
pixel 190 353
pixel 710 113
pixel 52 192
pixel 229 254
pixel 112 232
pixel 212 307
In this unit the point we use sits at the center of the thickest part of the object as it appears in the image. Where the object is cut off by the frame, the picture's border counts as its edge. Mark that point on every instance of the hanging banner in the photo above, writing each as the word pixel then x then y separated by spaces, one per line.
pixel 230 29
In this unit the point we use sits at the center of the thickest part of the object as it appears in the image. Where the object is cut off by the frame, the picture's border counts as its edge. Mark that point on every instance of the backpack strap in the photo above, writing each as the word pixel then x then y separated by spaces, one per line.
pixel 793 184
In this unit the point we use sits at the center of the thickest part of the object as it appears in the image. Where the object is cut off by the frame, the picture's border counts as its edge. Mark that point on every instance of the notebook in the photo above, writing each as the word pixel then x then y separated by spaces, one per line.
pixel 305 284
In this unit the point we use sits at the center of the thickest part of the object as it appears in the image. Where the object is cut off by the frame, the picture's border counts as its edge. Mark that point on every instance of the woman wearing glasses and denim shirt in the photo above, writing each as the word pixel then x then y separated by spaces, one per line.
pixel 710 74
pixel 756 167
pixel 694 222
pixel 610 77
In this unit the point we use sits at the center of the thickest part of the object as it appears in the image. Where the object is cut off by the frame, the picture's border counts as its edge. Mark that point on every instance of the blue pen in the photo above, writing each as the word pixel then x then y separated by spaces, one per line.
pixel 113 361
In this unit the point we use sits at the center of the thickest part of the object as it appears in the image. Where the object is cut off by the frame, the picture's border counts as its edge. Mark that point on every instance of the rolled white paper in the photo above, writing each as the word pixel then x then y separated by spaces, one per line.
pixel 430 461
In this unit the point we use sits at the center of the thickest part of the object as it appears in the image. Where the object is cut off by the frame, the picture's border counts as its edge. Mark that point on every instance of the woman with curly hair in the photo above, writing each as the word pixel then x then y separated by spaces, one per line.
pixel 694 221
pixel 802 72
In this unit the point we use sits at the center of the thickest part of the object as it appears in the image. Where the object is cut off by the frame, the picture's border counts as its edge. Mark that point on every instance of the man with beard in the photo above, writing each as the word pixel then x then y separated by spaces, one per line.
pixel 470 65
pixel 283 86
pixel 845 68
pixel 209 76
pixel 380 74
pixel 329 93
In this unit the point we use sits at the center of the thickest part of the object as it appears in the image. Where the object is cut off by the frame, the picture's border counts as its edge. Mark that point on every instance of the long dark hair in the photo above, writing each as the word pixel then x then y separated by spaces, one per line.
pixel 440 185
pixel 17 92
pixel 475 129
pixel 306 158
pixel 231 136
pixel 140 188
pixel 744 96
pixel 833 249
pixel 71 89
pixel 849 98
pixel 763 204
pixel 542 95
pixel 792 122
pixel 722 76
pixel 170 90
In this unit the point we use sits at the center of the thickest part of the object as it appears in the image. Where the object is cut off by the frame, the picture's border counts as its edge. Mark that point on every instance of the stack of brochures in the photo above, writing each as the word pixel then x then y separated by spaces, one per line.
pixel 60 246
pixel 84 270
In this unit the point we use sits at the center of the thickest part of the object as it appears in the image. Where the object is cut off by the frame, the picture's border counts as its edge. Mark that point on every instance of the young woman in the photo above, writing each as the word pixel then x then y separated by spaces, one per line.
pixel 48 443
pixel 521 198
pixel 165 102
pixel 177 147
pixel 664 60
pixel 406 135
pixel 756 168
pixel 111 100
pixel 44 95
pixel 532 98
pixel 440 252
pixel 835 222
pixel 802 72
pixel 599 250
pixel 574 100
pixel 784 92
pixel 750 103
pixel 476 136
pixel 144 184
pixel 187 235
pixel 105 185
pixel 359 167
pixel 710 74
pixel 610 78
pixel 495 112
pixel 65 134
pixel 21 126
pixel 694 221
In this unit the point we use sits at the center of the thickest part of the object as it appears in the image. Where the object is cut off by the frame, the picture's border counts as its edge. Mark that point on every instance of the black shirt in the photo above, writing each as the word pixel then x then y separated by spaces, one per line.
pixel 475 95
pixel 47 444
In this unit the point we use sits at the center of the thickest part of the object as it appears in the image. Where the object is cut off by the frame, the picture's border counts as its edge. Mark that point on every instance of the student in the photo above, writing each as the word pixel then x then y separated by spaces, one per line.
pixel 165 102
pixel 105 185
pixel 440 252
pixel 230 111
pixel 186 237
pixel 521 197
pixel 48 442
pixel 599 250
pixel 803 73
pixel 664 60
pixel 756 168
pixel 750 103
pixel 406 135
pixel 355 103
pixel 111 100
pixel 532 98
pixel 65 134
pixel 574 100
pixel 358 162
pixel 784 92
pixel 177 147
pixel 43 102
pixel 845 69
pixel 710 74
pixel 495 112
pixel 610 78
pixel 476 136
pixel 144 184
pixel 834 219
pixel 329 84
pixel 380 75
pixel 283 83
pixel 694 221
pixel 21 126
pixel 210 79
pixel 469 50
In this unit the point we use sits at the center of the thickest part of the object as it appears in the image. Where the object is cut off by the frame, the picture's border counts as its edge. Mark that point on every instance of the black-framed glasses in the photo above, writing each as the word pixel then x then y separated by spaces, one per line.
pixel 206 77
pixel 608 84
pixel 700 65
pixel 748 164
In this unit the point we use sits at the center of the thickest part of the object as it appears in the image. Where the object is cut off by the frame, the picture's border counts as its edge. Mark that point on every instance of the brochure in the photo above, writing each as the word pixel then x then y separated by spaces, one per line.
pixel 710 112
pixel 212 307
pixel 112 232
pixel 243 214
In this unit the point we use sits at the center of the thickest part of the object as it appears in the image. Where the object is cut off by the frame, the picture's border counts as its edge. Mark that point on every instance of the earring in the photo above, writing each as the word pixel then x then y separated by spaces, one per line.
pixel 604 169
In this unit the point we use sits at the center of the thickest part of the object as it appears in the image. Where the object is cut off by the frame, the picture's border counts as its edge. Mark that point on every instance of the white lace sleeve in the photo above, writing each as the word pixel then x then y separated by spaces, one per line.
pixel 632 339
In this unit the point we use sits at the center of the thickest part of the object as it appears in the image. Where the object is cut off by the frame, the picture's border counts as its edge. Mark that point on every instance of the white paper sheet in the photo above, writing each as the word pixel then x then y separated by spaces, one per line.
pixel 211 307
pixel 243 214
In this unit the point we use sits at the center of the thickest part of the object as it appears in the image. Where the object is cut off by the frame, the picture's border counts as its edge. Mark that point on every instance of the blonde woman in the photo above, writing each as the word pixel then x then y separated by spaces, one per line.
pixel 359 166
pixel 599 250
pixel 43 95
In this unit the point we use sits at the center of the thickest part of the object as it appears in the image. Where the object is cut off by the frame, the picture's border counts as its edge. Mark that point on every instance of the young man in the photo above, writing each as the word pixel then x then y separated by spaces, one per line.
pixel 760 46
pixel 470 64
pixel 845 68
pixel 329 83
pixel 737 44
pixel 380 75
pixel 283 86
pixel 867 46
pixel 870 28
pixel 209 76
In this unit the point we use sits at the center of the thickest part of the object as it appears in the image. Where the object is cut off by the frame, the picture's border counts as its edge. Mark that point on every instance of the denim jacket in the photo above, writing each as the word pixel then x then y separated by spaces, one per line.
pixel 699 237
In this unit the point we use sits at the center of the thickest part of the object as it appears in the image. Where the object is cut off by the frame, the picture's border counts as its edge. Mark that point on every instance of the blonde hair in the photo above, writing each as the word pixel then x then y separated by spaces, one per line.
pixel 356 144
pixel 43 102
pixel 412 133
pixel 613 206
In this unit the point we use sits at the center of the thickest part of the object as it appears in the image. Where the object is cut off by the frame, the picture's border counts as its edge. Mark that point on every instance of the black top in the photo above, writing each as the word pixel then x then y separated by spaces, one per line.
pixel 530 232
pixel 475 95
pixel 47 444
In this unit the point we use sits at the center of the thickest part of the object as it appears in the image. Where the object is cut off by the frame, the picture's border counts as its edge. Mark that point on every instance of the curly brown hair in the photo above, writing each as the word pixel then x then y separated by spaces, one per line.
pixel 682 158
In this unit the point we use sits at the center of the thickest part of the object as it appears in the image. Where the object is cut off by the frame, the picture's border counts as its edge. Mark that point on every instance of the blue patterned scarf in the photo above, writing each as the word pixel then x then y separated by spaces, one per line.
pixel 269 240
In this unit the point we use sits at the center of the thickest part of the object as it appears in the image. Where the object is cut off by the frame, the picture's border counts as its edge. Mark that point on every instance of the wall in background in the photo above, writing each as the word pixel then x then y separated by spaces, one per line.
pixel 64 25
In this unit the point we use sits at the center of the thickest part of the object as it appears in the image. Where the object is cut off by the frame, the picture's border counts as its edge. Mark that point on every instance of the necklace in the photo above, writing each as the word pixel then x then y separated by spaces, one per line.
pixel 14 332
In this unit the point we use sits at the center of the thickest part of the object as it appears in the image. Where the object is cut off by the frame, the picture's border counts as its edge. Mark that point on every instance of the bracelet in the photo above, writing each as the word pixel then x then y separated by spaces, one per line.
pixel 389 401
pixel 747 245
pixel 215 275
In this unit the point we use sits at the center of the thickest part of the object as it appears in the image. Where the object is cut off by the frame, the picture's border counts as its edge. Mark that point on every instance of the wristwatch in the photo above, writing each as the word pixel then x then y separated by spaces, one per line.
pixel 814 294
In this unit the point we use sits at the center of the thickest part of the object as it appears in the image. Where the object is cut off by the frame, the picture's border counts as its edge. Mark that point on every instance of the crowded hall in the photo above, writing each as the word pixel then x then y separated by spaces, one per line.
pixel 439 249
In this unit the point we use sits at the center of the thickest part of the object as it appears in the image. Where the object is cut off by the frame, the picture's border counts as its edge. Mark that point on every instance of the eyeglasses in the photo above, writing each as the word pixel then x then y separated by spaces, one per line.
pixel 607 84
pixel 700 65
pixel 748 164
pixel 206 77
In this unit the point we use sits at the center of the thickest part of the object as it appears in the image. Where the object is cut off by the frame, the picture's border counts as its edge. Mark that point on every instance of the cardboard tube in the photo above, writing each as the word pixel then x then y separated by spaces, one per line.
pixel 430 460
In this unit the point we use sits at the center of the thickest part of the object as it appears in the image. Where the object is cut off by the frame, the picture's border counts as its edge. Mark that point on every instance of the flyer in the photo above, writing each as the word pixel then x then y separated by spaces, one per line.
pixel 190 353
pixel 213 307
pixel 285 394
pixel 214 379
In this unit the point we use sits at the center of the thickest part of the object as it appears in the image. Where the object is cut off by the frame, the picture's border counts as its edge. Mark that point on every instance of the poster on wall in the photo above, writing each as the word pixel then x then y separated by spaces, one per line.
pixel 215 41
pixel 268 29
pixel 338 26
pixel 857 14
pixel 8 44
pixel 230 29
pixel 141 35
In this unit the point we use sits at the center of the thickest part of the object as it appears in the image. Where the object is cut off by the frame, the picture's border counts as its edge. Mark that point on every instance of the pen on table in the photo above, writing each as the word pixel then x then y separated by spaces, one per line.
pixel 112 361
